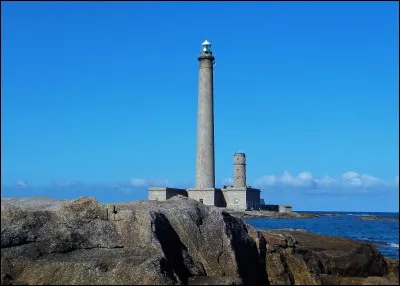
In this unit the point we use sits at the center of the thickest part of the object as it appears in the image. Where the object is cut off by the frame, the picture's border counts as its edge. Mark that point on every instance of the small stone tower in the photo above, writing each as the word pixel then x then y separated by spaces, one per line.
pixel 205 165
pixel 239 170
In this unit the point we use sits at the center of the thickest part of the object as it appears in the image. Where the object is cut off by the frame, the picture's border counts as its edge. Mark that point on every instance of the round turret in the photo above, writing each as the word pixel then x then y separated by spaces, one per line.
pixel 239 170
pixel 239 158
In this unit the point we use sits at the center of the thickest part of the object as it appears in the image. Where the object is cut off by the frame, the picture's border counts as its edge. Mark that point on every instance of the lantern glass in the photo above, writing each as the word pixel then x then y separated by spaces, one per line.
pixel 206 48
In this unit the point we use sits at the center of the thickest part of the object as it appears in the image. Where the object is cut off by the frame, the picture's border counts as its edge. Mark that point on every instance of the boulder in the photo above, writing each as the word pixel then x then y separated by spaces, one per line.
pixel 178 241
pixel 299 257
pixel 46 241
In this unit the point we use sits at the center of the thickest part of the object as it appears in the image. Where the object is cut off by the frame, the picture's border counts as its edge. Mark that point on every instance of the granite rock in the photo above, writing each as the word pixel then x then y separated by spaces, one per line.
pixel 179 241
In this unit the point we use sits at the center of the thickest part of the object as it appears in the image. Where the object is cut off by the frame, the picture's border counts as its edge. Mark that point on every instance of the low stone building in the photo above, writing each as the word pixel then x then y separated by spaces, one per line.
pixel 246 198
pixel 276 208
pixel 239 196
pixel 163 194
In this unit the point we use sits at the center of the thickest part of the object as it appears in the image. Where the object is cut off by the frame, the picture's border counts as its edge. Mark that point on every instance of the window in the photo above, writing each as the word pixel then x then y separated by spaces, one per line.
pixel 236 201
pixel 201 201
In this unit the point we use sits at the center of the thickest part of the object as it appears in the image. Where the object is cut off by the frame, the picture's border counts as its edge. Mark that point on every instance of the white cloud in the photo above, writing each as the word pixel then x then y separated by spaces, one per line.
pixel 152 182
pixel 303 180
pixel 358 180
pixel 267 180
pixel 21 184
pixel 136 182
pixel 325 181
pixel 159 183
pixel 348 182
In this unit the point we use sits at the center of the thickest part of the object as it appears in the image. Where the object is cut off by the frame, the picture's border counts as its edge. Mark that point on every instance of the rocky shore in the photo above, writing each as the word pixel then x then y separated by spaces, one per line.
pixel 268 214
pixel 180 241
pixel 377 218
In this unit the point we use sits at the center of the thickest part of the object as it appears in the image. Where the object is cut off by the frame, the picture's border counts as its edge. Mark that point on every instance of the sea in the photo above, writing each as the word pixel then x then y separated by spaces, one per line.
pixel 384 234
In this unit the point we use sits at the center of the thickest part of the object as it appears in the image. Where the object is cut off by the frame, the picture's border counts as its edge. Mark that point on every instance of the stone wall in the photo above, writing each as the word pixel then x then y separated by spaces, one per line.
pixel 219 199
pixel 174 192
pixel 253 199
pixel 205 196
pixel 241 198
pixel 229 197
pixel 272 208
pixel 277 208
pixel 162 194
pixel 157 194
pixel 235 198
pixel 285 208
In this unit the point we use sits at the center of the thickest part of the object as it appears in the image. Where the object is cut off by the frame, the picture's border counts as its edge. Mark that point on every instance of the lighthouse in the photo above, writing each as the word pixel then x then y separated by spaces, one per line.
pixel 205 163
pixel 204 190
pixel 239 196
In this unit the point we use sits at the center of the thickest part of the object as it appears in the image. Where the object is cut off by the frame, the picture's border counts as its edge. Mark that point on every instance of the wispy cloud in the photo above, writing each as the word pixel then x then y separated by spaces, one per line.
pixel 159 182
pixel 137 182
pixel 302 180
pixel 152 182
pixel 21 184
pixel 349 182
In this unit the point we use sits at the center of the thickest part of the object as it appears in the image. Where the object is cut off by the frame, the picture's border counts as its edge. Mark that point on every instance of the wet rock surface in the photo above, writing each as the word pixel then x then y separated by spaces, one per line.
pixel 180 241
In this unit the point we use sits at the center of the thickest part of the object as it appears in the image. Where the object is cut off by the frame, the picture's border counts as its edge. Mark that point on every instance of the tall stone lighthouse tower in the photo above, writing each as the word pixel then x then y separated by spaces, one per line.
pixel 204 190
pixel 205 165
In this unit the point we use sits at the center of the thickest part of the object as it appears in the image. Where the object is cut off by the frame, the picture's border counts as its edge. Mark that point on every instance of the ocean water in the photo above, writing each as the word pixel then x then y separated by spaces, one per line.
pixel 384 234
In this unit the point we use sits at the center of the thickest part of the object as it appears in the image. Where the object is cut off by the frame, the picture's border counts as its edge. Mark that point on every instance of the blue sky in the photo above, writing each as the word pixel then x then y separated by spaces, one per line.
pixel 100 99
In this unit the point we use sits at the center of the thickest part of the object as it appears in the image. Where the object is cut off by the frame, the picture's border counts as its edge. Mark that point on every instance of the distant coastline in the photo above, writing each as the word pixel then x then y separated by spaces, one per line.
pixel 377 218
pixel 378 228
pixel 272 214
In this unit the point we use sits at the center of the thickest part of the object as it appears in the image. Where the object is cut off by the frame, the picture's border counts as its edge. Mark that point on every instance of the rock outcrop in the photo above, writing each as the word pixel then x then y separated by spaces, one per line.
pixel 274 214
pixel 294 257
pixel 268 214
pixel 377 218
pixel 143 242
pixel 180 241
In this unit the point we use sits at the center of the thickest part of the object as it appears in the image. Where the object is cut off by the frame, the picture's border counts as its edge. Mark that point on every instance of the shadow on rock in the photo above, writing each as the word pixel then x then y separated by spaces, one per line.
pixel 178 259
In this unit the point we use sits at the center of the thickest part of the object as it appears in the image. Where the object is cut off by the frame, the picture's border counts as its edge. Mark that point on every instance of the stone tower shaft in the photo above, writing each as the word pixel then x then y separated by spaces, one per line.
pixel 239 170
pixel 205 164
